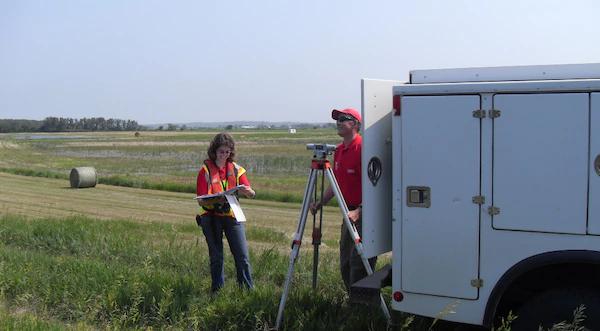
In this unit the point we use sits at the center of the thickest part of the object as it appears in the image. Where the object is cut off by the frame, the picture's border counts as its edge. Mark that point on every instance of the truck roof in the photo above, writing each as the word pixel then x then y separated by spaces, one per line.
pixel 506 73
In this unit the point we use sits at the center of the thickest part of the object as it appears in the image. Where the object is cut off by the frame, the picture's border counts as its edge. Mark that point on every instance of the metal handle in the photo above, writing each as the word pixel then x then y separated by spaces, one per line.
pixel 374 170
pixel 418 196
pixel 597 164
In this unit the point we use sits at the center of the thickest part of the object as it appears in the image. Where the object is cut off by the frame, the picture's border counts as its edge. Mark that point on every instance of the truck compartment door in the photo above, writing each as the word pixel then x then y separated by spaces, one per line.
pixel 594 198
pixel 540 156
pixel 377 165
pixel 440 177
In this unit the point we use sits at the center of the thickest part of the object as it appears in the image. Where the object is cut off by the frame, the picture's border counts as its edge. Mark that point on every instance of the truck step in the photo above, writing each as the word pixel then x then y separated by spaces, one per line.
pixel 367 290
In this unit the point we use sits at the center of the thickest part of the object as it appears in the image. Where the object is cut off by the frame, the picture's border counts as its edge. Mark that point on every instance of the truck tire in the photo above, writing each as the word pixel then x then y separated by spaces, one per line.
pixel 557 305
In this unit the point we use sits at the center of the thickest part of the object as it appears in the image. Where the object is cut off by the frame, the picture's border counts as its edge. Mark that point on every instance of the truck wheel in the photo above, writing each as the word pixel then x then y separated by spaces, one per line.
pixel 557 305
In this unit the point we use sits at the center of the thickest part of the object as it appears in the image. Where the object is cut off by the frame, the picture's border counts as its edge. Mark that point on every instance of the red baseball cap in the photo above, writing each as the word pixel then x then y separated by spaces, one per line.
pixel 348 111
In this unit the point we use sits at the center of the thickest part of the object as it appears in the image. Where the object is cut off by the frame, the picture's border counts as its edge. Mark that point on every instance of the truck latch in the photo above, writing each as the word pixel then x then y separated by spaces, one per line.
pixel 418 196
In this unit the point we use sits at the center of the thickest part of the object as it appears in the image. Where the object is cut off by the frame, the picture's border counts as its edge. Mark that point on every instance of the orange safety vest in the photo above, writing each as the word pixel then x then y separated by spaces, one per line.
pixel 216 185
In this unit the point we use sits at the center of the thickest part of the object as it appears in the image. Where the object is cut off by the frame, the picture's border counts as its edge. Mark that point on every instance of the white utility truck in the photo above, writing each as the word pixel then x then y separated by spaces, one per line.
pixel 484 183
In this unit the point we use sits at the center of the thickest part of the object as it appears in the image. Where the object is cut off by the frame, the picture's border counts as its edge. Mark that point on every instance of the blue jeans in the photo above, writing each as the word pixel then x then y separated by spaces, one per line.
pixel 213 228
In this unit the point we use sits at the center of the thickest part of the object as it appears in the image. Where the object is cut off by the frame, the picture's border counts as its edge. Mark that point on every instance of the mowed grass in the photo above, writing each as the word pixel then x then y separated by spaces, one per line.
pixel 277 161
pixel 42 197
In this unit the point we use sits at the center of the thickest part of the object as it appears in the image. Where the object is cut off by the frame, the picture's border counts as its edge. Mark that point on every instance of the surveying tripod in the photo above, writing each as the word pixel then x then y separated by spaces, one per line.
pixel 321 165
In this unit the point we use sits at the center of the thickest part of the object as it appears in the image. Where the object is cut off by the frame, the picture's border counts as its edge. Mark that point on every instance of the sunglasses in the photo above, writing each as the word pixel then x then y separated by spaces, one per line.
pixel 343 118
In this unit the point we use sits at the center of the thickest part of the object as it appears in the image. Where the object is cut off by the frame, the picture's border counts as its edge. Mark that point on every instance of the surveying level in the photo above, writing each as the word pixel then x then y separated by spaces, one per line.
pixel 321 165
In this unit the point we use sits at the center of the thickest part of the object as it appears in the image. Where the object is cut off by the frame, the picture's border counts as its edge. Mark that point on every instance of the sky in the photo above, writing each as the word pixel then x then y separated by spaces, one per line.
pixel 209 61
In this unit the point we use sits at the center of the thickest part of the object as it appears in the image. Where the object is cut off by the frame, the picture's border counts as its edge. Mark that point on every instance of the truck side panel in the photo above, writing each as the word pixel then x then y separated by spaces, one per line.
pixel 540 165
pixel 441 157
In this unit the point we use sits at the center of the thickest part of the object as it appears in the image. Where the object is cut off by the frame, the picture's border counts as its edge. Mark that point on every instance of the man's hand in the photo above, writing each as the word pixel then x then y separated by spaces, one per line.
pixel 314 206
pixel 354 215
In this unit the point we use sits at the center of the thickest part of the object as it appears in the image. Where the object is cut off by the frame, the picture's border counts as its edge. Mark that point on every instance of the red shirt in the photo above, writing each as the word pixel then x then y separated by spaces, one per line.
pixel 202 185
pixel 347 170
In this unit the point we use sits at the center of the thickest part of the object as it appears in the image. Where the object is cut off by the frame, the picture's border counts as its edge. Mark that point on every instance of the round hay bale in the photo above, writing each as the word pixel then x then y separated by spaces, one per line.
pixel 82 177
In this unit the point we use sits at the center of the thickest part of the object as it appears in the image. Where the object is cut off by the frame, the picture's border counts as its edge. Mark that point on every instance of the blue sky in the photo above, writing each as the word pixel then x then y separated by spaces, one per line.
pixel 205 61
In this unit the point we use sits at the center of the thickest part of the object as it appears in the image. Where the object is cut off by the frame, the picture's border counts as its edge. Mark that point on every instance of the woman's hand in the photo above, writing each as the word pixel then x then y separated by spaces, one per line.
pixel 247 191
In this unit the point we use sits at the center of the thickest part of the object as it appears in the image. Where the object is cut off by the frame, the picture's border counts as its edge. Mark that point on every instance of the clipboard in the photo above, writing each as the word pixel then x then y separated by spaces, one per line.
pixel 234 204
pixel 231 191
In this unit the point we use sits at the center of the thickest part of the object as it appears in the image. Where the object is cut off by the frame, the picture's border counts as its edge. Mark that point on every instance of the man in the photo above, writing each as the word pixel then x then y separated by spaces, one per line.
pixel 347 170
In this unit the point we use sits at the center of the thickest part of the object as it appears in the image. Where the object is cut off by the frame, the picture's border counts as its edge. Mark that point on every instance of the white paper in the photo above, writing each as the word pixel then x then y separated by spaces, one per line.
pixel 236 208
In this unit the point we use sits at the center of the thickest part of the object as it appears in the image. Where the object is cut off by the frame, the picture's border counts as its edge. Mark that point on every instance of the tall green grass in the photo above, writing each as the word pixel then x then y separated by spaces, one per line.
pixel 22 320
pixel 121 274
pixel 35 173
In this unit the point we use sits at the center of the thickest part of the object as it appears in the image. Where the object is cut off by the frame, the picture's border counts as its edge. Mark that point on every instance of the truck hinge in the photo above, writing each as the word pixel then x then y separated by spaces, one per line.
pixel 493 210
pixel 479 199
pixel 479 113
pixel 477 282
pixel 494 113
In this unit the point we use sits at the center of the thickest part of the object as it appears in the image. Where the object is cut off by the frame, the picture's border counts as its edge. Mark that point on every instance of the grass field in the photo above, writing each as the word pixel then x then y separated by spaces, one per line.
pixel 137 260
pixel 124 274
pixel 277 161
pixel 36 197
pixel 127 258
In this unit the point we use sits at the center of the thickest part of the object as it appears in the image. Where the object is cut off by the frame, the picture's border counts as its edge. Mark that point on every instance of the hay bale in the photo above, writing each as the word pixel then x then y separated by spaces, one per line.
pixel 82 177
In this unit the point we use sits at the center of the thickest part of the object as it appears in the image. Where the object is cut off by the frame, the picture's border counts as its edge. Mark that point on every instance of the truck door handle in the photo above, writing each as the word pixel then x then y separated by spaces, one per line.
pixel 597 164
pixel 418 196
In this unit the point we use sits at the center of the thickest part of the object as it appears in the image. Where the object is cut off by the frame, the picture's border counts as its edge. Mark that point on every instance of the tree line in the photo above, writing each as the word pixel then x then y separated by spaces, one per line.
pixel 61 124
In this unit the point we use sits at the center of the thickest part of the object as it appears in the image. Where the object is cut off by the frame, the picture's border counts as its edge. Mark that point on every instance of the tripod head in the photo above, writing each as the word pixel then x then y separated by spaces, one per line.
pixel 321 151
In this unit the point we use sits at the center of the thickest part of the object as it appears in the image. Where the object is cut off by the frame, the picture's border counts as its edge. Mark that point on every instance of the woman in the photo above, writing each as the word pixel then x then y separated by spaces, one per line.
pixel 220 173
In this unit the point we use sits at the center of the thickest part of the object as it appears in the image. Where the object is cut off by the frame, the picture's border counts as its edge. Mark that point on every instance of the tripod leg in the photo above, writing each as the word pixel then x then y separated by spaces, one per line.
pixel 296 242
pixel 317 234
pixel 316 243
pixel 354 234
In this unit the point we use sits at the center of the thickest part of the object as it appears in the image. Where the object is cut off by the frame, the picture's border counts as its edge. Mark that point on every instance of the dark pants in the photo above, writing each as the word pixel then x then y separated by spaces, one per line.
pixel 213 228
pixel 351 266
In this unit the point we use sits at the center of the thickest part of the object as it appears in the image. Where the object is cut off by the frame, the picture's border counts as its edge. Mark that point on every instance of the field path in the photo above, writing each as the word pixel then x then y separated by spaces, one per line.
pixel 43 197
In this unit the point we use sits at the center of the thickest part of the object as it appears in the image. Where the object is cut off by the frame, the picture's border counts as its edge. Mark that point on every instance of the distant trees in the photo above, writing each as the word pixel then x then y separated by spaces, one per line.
pixel 61 124
pixel 58 124
pixel 19 125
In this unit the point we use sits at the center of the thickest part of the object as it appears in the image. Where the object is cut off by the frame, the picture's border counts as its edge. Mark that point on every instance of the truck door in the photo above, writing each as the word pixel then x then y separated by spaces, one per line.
pixel 377 165
pixel 540 162
pixel 440 176
pixel 594 198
